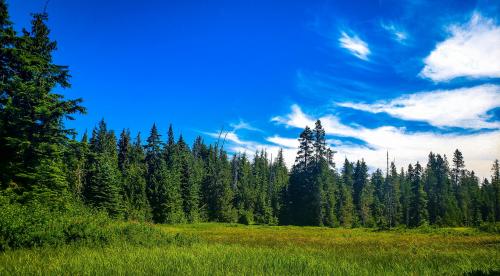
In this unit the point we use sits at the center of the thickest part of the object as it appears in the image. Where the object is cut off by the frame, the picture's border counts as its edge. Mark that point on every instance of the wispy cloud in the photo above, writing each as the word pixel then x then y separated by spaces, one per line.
pixel 241 124
pixel 471 51
pixel 480 149
pixel 292 143
pixel 463 107
pixel 354 45
pixel 397 32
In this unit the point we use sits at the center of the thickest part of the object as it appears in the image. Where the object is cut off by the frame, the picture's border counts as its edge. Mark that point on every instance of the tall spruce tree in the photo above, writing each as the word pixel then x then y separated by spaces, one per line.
pixel 392 202
pixel 217 189
pixel 301 195
pixel 378 182
pixel 418 198
pixel 345 206
pixel 405 196
pixel 102 182
pixel 279 181
pixel 190 179
pixel 366 200
pixel 133 168
pixel 495 183
pixel 156 176
pixel 32 132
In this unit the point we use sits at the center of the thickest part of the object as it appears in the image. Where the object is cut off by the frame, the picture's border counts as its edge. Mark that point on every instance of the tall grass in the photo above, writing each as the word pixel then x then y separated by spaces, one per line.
pixel 228 249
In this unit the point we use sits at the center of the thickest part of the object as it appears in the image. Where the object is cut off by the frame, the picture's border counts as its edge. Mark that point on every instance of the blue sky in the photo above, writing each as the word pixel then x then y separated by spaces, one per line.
pixel 409 76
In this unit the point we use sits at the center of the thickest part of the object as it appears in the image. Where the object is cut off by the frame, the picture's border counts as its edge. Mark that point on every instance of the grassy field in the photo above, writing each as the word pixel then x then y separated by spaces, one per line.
pixel 222 249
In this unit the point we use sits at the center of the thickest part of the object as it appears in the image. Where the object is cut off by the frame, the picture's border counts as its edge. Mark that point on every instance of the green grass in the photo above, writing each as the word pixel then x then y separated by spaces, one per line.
pixel 225 249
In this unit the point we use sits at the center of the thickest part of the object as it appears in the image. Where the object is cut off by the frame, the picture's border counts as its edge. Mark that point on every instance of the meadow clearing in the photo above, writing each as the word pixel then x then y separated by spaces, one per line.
pixel 232 249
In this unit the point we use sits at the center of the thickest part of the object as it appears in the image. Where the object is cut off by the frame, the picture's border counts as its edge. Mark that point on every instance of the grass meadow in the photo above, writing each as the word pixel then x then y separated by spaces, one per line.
pixel 231 249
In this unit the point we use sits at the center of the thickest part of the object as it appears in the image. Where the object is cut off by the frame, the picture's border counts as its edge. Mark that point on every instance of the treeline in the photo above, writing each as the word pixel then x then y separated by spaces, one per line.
pixel 169 181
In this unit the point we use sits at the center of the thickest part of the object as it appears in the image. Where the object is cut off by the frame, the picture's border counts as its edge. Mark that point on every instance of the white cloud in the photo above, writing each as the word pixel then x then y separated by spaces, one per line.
pixel 479 149
pixel 284 142
pixel 463 107
pixel 295 119
pixel 355 45
pixel 472 50
pixel 397 32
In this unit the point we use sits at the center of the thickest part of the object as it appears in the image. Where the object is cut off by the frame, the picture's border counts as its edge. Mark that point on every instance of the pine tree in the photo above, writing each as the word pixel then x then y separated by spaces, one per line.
pixel 156 176
pixel 392 197
pixel 124 150
pixel 200 156
pixel 378 184
pixel 345 206
pixel 261 180
pixel 418 199
pixel 366 201
pixel 102 181
pixel 243 186
pixel 442 205
pixel 360 180
pixel 300 191
pixel 279 182
pixel 470 199
pixel 495 183
pixel 190 181
pixel 324 178
pixel 487 197
pixel 218 192
pixel 134 181
pixel 459 187
pixel 305 152
pixel 405 197
pixel 32 134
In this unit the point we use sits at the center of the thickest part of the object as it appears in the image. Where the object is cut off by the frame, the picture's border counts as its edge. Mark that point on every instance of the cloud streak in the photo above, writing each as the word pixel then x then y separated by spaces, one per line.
pixel 354 45
pixel 397 32
pixel 463 107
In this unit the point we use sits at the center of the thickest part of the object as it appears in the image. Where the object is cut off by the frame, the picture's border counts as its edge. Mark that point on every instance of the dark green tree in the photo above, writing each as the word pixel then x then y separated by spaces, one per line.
pixel 134 180
pixel 102 182
pixel 418 199
pixel 345 206
pixel 279 182
pixel 217 190
pixel 495 183
pixel 32 133
pixel 190 179
pixel 392 202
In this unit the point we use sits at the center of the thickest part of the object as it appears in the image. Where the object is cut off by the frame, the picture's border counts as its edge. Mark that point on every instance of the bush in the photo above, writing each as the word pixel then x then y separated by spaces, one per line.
pixel 33 224
pixel 246 217
pixel 490 227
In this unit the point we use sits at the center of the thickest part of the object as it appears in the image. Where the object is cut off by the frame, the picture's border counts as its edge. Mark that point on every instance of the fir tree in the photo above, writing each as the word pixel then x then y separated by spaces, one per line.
pixel 418 199
pixel 345 206
pixel 134 182
pixel 392 197
pixel 495 183
pixel 279 180
pixel 190 181
pixel 32 134
pixel 102 185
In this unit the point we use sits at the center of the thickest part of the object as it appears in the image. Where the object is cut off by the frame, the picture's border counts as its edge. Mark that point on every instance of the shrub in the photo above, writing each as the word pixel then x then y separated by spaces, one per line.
pixel 490 227
pixel 33 224
pixel 245 217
